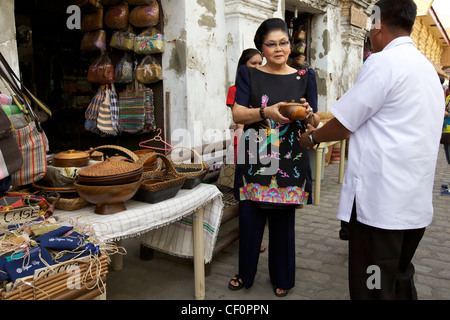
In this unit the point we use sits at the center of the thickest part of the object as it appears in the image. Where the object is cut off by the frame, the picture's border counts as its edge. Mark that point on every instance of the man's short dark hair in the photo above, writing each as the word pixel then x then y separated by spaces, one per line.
pixel 398 14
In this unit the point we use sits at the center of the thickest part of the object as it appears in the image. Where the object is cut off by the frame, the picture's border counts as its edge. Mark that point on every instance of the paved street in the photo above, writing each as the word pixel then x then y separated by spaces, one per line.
pixel 321 258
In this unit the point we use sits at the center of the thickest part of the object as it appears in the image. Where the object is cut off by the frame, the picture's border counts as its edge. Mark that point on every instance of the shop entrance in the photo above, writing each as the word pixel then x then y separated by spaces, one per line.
pixel 54 68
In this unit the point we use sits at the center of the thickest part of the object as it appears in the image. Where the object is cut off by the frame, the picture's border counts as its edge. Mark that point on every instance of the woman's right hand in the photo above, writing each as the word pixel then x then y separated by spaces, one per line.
pixel 273 113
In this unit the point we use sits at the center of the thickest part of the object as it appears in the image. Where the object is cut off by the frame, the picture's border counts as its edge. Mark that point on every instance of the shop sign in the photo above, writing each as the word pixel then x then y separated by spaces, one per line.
pixel 18 216
pixel 358 18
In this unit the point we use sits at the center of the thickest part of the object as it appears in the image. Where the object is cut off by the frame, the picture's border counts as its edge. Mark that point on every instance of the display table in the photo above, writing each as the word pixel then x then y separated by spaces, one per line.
pixel 202 206
pixel 319 160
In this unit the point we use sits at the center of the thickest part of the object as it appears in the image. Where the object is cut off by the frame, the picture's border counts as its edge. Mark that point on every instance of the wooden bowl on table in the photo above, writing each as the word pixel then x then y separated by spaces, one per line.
pixel 108 199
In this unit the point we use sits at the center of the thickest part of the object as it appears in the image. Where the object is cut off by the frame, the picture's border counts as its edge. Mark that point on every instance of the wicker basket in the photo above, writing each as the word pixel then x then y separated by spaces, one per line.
pixel 70 204
pixel 194 172
pixel 170 182
pixel 129 153
pixel 57 286
pixel 325 116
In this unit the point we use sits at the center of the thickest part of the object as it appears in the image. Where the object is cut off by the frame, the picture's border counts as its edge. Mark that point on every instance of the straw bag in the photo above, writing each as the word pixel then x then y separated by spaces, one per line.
pixel 149 41
pixel 194 172
pixel 145 16
pixel 159 185
pixel 92 21
pixel 117 17
pixel 123 40
pixel 94 41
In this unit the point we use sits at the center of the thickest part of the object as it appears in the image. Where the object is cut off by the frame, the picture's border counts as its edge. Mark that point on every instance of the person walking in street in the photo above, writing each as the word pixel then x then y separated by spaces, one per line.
pixel 394 115
pixel 445 138
pixel 271 167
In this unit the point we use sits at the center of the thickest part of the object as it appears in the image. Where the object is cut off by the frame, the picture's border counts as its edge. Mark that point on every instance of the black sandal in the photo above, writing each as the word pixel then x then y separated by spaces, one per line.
pixel 279 294
pixel 236 279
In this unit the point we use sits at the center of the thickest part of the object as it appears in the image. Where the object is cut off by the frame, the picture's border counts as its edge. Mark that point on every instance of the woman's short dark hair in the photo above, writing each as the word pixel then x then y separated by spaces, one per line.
pixel 268 26
pixel 398 14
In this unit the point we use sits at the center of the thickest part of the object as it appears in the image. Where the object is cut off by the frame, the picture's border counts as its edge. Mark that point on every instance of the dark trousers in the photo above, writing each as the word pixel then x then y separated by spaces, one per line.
pixel 447 152
pixel 383 257
pixel 281 248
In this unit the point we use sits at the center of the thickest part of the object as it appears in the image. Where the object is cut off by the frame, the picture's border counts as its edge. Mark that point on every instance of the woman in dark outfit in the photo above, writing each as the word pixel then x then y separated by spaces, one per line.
pixel 271 167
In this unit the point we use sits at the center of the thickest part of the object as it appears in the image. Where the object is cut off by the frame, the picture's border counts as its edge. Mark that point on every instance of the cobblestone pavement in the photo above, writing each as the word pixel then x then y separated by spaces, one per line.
pixel 321 265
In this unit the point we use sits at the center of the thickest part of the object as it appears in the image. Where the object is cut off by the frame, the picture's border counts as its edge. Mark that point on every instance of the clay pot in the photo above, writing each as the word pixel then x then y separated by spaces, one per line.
pixel 108 199
pixel 293 110
pixel 71 158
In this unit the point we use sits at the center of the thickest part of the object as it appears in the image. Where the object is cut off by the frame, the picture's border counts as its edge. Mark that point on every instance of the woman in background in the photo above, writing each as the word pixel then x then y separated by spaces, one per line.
pixel 252 58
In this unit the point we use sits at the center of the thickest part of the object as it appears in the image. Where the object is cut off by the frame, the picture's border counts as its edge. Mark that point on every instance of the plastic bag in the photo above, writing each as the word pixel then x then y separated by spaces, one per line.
pixel 123 40
pixel 101 71
pixel 124 69
pixel 148 71
pixel 149 41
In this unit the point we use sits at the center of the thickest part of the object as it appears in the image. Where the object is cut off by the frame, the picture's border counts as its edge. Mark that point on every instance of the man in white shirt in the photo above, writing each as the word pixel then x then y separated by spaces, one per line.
pixel 394 115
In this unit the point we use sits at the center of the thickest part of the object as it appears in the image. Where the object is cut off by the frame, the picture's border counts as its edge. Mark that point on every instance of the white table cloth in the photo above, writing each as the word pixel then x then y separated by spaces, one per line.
pixel 170 220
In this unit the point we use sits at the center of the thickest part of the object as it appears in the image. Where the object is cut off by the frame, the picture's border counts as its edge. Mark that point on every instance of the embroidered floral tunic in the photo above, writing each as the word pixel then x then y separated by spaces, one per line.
pixel 271 164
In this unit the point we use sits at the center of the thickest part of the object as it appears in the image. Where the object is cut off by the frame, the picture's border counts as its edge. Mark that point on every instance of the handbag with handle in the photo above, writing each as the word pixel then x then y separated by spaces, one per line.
pixel 30 137
pixel 10 156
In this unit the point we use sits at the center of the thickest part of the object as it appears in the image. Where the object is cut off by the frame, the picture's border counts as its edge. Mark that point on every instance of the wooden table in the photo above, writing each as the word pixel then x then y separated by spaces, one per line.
pixel 205 200
pixel 319 163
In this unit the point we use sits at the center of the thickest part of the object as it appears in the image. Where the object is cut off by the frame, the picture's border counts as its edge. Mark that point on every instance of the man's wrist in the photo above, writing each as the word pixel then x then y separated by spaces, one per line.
pixel 311 140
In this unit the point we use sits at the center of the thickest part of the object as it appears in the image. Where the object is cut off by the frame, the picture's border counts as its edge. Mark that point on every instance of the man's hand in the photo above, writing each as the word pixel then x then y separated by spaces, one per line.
pixel 304 141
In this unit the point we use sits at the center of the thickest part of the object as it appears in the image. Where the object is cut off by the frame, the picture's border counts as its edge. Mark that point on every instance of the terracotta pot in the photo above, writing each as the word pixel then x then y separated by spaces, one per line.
pixel 294 111
pixel 108 199
pixel 71 158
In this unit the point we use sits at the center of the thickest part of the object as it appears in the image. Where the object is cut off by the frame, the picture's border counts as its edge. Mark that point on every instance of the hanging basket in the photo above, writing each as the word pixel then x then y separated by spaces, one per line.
pixel 194 172
pixel 159 185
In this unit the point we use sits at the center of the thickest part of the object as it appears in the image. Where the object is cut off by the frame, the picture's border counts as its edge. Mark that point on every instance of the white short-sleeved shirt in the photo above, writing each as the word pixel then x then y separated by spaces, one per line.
pixel 395 112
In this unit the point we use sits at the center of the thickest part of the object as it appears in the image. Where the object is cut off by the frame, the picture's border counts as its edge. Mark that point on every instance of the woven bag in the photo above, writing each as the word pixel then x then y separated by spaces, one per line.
pixel 132 111
pixel 145 16
pixel 117 17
